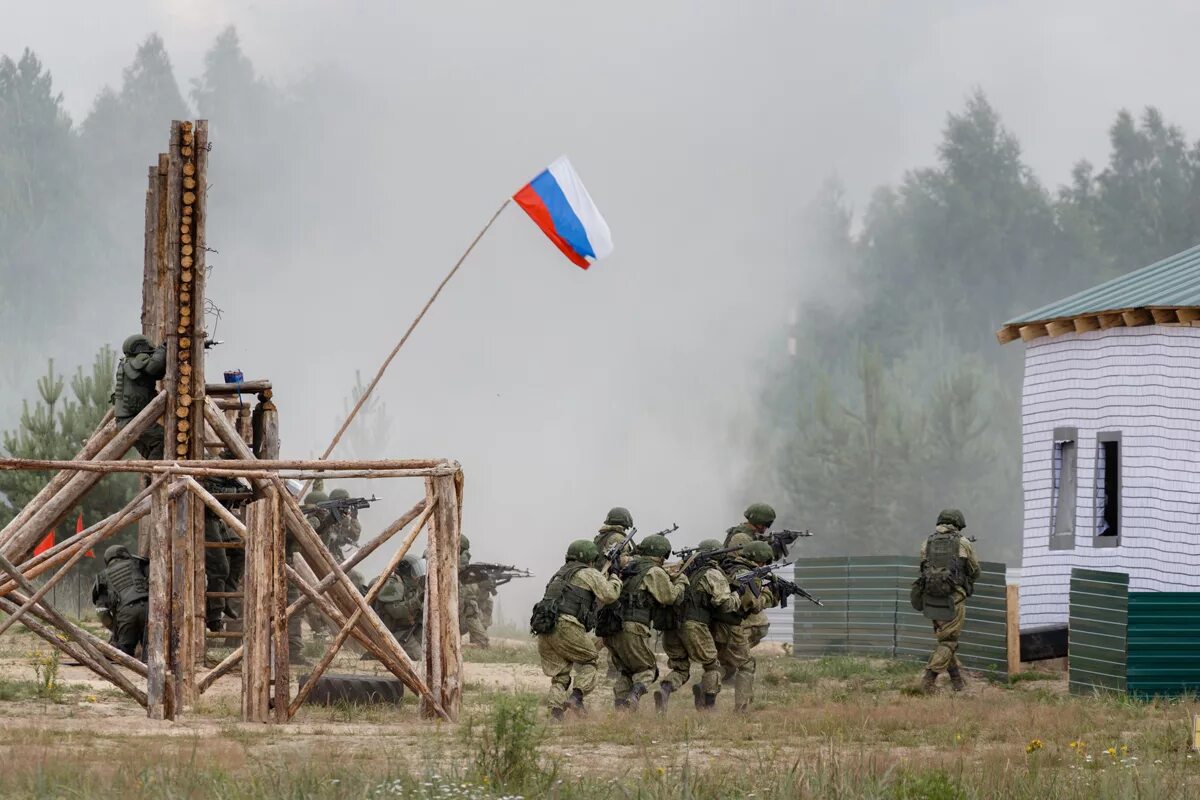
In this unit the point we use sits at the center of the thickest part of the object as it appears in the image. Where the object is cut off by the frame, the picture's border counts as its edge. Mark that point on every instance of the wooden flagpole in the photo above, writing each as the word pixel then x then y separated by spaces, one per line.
pixel 387 361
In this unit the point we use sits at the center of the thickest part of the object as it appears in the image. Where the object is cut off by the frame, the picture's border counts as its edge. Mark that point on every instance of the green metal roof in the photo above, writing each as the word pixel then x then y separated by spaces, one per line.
pixel 1171 283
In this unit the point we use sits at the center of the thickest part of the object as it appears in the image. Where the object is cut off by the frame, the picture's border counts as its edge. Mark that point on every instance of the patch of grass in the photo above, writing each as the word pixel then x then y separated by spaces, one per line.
pixel 507 747
pixel 501 654
pixel 929 785
pixel 12 690
pixel 1034 675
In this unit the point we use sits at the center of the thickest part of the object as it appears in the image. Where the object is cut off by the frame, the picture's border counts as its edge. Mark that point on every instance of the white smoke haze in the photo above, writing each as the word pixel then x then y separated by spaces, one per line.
pixel 702 130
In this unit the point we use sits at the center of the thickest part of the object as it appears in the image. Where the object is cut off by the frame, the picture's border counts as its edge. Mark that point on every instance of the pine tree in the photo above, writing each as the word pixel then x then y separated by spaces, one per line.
pixel 56 426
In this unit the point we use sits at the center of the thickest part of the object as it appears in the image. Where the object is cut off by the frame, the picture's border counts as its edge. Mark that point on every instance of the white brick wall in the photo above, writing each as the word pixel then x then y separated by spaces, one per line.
pixel 1145 383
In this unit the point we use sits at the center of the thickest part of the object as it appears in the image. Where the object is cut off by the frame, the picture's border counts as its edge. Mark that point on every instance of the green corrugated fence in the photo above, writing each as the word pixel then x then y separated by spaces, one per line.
pixel 867 612
pixel 1096 640
pixel 1143 643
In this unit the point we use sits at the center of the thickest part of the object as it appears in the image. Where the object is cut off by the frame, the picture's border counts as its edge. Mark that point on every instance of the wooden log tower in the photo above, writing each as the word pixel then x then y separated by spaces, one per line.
pixel 198 419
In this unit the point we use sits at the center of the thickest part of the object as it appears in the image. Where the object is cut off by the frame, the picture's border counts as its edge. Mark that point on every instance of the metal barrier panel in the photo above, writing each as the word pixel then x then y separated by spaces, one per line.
pixel 821 630
pixel 984 640
pixel 872 584
pixel 1099 617
pixel 1163 643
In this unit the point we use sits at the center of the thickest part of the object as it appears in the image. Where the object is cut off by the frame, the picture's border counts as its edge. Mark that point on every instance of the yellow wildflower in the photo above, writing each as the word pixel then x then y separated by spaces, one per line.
pixel 1033 746
pixel 1112 751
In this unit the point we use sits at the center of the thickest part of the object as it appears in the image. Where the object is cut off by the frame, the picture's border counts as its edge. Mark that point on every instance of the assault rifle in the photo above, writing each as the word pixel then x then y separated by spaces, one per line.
pixel 780 539
pixel 498 574
pixel 341 506
pixel 668 531
pixel 613 554
pixel 749 580
pixel 785 589
pixel 694 557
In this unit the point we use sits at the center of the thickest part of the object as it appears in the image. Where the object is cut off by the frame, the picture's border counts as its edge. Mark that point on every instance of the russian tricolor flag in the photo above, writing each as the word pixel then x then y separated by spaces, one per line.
pixel 560 205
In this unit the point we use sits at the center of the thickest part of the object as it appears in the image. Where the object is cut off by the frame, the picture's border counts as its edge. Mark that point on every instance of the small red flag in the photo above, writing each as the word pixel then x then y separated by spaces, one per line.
pixel 78 530
pixel 46 544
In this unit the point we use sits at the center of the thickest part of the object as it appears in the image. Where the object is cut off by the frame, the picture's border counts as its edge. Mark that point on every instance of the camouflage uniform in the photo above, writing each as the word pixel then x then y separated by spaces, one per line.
pixel 134 388
pixel 759 518
pixel 125 580
pixel 470 614
pixel 944 657
pixel 708 600
pixel 733 641
pixel 401 606
pixel 648 593
pixel 568 647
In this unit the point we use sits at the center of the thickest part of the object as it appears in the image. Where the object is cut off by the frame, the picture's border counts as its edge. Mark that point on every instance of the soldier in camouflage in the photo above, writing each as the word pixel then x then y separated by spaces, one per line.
pixel 759 518
pixel 470 611
pixel 949 570
pixel 125 580
pixel 616 526
pixel 734 641
pixel 648 595
pixel 706 600
pixel 401 606
pixel 134 387
pixel 561 622
pixel 343 532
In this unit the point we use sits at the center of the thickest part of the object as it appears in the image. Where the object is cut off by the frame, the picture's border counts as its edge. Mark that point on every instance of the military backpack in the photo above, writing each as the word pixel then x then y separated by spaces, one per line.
pixel 563 597
pixel 943 571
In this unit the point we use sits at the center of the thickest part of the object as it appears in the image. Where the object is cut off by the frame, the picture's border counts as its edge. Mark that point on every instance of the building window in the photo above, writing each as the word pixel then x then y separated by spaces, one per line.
pixel 1108 490
pixel 1064 489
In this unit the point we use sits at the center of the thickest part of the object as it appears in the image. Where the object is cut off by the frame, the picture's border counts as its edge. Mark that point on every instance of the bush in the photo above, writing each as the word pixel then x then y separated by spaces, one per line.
pixel 930 785
pixel 507 750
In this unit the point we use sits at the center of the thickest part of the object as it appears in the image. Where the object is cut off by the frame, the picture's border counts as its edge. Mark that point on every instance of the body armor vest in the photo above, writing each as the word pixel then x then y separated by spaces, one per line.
pixel 696 606
pixel 575 601
pixel 127 581
pixel 130 395
pixel 943 571
pixel 636 604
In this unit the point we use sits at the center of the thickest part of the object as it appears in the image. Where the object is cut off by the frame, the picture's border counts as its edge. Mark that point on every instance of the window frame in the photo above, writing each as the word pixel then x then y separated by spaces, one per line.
pixel 1098 539
pixel 1063 436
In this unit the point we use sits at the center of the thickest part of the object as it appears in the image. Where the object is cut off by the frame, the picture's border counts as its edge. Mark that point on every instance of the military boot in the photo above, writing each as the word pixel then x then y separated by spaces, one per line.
pixel 575 702
pixel 710 702
pixel 662 695
pixel 956 680
pixel 698 697
pixel 635 695
pixel 621 703
pixel 556 714
pixel 929 682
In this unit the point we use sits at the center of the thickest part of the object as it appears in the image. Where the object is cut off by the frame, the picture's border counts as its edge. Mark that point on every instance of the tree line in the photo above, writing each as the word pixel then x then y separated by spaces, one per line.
pixel 899 401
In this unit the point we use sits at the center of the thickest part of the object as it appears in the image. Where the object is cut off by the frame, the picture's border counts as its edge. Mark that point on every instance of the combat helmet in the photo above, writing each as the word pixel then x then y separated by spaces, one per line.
pixel 114 552
pixel 709 544
pixel 760 514
pixel 464 544
pixel 137 343
pixel 316 497
pixel 758 552
pixel 952 516
pixel 339 494
pixel 619 516
pixel 654 546
pixel 583 550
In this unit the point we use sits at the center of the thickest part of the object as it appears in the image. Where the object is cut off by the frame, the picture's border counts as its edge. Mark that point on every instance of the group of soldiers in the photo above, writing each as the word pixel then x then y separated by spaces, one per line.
pixel 709 608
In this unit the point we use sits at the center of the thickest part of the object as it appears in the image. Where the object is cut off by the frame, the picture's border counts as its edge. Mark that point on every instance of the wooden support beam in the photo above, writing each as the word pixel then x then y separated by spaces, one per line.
pixel 1085 324
pixel 445 676
pixel 22 539
pixel 256 615
pixel 80 549
pixel 1012 628
pixel 1164 316
pixel 1136 317
pixel 107 650
pixel 104 434
pixel 160 698
pixel 1009 333
pixel 181 637
pixel 1032 331
pixel 243 388
pixel 238 468
pixel 281 686
pixel 313 550
pixel 336 645
pixel 264 427
pixel 1113 320
pixel 1187 316
pixel 321 586
pixel 1060 326
pixel 73 631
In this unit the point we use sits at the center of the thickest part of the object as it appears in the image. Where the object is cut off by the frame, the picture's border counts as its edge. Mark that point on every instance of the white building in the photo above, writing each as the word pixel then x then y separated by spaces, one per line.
pixel 1110 418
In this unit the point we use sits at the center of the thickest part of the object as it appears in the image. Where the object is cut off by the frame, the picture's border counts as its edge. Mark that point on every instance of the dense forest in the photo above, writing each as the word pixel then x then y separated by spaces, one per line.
pixel 897 401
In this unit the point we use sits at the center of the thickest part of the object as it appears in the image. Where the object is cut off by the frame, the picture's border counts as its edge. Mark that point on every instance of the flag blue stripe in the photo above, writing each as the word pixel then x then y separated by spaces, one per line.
pixel 566 223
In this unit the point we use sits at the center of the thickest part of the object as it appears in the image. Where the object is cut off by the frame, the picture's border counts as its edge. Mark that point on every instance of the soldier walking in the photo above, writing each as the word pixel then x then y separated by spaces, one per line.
pixel 734 640
pixel 949 570
pixel 706 600
pixel 648 595
pixel 562 620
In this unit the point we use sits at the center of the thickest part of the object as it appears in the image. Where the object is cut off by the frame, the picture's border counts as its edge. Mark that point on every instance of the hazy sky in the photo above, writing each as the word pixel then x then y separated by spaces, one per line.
pixel 701 128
